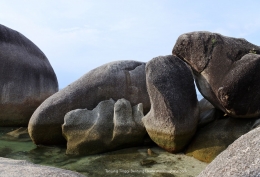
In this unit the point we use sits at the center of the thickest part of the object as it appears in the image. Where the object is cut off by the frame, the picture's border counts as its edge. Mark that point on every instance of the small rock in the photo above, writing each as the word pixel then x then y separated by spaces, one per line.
pixel 151 153
pixel 147 162
pixel 21 132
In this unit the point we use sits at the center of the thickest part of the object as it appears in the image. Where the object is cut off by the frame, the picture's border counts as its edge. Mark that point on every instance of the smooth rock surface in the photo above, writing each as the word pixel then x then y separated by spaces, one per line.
pixel 226 71
pixel 210 140
pixel 174 113
pixel 26 78
pixel 109 126
pixel 116 80
pixel 22 168
pixel 240 159
pixel 208 112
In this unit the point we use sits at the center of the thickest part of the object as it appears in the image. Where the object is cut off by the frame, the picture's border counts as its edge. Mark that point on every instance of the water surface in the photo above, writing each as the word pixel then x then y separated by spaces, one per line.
pixel 126 162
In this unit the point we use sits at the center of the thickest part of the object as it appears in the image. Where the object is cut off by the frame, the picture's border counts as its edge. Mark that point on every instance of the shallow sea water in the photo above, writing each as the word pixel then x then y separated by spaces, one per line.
pixel 126 162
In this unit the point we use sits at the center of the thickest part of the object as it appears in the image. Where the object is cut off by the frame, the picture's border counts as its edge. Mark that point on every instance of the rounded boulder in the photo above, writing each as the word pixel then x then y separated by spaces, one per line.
pixel 26 78
pixel 116 80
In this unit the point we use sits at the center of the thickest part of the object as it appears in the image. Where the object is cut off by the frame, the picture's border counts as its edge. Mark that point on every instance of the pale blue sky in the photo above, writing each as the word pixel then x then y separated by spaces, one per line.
pixel 80 35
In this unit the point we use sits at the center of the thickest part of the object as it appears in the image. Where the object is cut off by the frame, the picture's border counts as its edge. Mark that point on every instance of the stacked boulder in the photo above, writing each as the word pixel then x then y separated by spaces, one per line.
pixel 173 118
pixel 226 71
pixel 26 78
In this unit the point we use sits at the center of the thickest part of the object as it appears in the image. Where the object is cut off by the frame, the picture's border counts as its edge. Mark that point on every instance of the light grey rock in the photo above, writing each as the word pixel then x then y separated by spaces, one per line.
pixel 256 123
pixel 22 168
pixel 109 126
pixel 208 113
pixel 173 118
pixel 226 71
pixel 240 159
pixel 205 105
pixel 26 78
pixel 116 80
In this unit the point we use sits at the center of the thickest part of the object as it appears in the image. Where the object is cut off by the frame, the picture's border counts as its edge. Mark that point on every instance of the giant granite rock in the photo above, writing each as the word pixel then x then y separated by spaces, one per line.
pixel 216 136
pixel 240 159
pixel 174 113
pixel 22 168
pixel 26 78
pixel 111 125
pixel 226 71
pixel 116 80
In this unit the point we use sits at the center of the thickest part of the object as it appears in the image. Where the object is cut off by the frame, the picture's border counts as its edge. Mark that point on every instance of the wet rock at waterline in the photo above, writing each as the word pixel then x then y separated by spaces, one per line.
pixel 241 158
pixel 19 168
pixel 26 78
pixel 226 71
pixel 116 80
pixel 216 136
pixel 19 134
pixel 174 113
pixel 109 126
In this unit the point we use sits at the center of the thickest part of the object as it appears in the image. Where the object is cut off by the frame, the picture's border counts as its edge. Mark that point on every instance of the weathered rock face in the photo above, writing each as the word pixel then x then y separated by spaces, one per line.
pixel 26 78
pixel 216 136
pixel 111 125
pixel 226 71
pixel 241 158
pixel 116 80
pixel 18 168
pixel 174 113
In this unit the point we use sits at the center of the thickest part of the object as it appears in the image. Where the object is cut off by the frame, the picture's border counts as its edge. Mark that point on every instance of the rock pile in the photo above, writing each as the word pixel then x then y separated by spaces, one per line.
pixel 116 104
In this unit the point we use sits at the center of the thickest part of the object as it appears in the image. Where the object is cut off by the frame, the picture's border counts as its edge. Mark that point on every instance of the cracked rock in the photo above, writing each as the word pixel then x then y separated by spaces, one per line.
pixel 226 71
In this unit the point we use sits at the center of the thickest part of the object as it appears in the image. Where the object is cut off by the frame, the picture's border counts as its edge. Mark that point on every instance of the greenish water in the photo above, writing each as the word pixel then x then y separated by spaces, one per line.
pixel 126 162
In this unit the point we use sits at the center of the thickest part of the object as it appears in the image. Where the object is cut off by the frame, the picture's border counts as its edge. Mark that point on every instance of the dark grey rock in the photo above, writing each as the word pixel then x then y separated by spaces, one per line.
pixel 226 71
pixel 110 126
pixel 26 78
pixel 240 159
pixel 22 168
pixel 116 80
pixel 174 113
